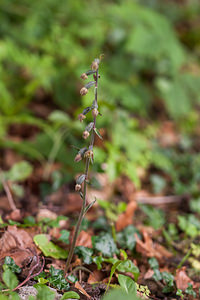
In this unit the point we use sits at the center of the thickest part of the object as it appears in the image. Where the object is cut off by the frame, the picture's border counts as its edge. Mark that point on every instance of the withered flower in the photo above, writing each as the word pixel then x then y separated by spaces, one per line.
pixel 89 154
pixel 81 117
pixel 95 113
pixel 77 187
pixel 83 91
pixel 85 134
pixel 94 65
pixel 84 76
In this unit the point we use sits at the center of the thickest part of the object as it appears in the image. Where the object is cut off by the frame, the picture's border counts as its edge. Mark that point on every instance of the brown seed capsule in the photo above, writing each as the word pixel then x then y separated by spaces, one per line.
pixel 95 113
pixel 94 65
pixel 83 91
pixel 81 117
pixel 78 157
pixel 84 76
pixel 89 154
pixel 77 187
pixel 85 134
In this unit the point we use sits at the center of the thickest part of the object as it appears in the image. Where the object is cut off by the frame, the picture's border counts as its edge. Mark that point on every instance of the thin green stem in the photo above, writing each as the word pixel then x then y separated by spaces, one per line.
pixel 82 212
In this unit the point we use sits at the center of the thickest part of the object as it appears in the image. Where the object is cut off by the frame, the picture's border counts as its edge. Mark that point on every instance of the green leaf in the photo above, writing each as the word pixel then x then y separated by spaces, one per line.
pixel 59 117
pixel 19 172
pixel 84 253
pixel 10 279
pixel 105 244
pixel 119 294
pixel 64 236
pixel 3 297
pixel 113 269
pixel 9 262
pixel 127 284
pixel 49 248
pixel 98 261
pixel 57 279
pixel 44 292
pixel 126 238
pixel 14 296
pixel 128 266
pixel 98 133
pixel 31 298
pixel 69 295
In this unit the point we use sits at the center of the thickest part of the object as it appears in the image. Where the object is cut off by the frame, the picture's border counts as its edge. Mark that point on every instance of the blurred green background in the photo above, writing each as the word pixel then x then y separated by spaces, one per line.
pixel 148 92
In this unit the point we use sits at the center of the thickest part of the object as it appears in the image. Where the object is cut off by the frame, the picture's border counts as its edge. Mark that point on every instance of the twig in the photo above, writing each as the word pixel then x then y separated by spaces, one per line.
pixel 8 192
pixel 30 275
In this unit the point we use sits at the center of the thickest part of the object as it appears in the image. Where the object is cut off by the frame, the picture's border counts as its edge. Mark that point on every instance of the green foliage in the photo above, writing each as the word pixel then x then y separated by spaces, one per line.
pixel 119 294
pixel 49 248
pixel 105 244
pixel 127 284
pixel 189 224
pixel 70 295
pixel 42 56
pixel 64 236
pixel 10 264
pixel 85 253
pixel 126 238
pixel 57 279
pixel 156 217
pixel 44 292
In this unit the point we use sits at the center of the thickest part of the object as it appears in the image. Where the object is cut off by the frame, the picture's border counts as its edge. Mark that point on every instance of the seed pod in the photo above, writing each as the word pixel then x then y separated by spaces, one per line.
pixel 81 117
pixel 85 134
pixel 84 76
pixel 83 91
pixel 95 113
pixel 77 187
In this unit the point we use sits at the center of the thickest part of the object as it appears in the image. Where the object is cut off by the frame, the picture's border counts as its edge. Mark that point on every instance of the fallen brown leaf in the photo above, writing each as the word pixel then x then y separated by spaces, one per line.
pixel 182 279
pixel 126 218
pixel 84 239
pixel 150 249
pixel 95 276
pixel 18 244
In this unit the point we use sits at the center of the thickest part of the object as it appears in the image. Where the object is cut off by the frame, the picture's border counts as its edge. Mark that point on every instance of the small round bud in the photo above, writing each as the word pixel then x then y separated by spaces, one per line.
pixel 94 65
pixel 85 134
pixel 95 113
pixel 89 154
pixel 81 117
pixel 78 157
pixel 77 187
pixel 83 91
pixel 84 76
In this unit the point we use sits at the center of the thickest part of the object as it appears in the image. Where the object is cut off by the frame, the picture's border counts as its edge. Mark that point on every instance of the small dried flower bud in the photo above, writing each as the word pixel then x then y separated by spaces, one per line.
pixel 84 76
pixel 83 91
pixel 95 113
pixel 85 134
pixel 94 65
pixel 81 117
pixel 78 157
pixel 89 154
pixel 77 187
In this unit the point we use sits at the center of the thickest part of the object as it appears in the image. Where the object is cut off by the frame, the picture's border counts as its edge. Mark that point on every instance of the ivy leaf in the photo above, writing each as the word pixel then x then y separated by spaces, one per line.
pixel 44 292
pixel 105 244
pixel 49 248
pixel 70 295
pixel 126 238
pixel 57 279
pixel 85 253
pixel 64 236
pixel 128 266
pixel 10 279
pixel 9 262
pixel 127 284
